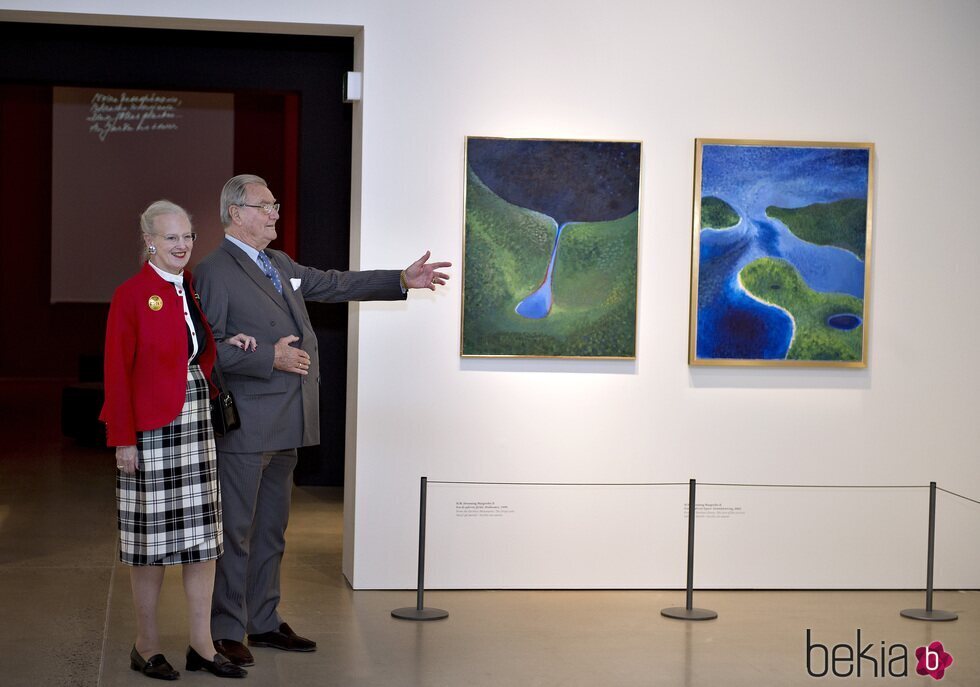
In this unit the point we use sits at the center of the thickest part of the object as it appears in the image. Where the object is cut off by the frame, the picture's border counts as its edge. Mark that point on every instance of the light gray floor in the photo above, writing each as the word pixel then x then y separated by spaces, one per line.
pixel 67 612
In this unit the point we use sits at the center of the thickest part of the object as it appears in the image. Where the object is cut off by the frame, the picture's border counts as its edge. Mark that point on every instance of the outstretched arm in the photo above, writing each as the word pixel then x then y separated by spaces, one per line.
pixel 423 275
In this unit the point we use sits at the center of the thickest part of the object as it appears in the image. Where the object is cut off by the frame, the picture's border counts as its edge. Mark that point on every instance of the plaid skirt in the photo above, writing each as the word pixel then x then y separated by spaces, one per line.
pixel 170 510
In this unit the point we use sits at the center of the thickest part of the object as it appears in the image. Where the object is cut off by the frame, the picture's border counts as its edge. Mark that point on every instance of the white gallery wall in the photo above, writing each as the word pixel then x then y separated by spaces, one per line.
pixel 899 73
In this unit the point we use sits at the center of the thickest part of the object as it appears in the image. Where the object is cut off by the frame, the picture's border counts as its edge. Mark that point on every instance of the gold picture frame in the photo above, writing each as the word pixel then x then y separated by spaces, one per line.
pixel 781 253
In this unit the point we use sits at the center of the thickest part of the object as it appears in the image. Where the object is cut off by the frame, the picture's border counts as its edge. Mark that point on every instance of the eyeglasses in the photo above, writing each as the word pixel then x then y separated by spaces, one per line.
pixel 173 239
pixel 266 208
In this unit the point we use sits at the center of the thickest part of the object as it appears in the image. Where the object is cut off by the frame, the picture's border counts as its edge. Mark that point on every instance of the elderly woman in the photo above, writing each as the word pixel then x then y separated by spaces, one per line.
pixel 159 353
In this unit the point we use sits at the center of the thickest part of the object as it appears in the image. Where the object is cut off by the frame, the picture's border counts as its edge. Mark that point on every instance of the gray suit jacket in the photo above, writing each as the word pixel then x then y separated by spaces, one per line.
pixel 279 410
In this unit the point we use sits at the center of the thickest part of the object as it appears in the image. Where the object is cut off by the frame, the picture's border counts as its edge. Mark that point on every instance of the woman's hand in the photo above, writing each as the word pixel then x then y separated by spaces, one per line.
pixel 126 459
pixel 243 341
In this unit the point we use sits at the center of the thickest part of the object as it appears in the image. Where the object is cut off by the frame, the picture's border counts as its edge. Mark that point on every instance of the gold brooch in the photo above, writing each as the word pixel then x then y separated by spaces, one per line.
pixel 155 303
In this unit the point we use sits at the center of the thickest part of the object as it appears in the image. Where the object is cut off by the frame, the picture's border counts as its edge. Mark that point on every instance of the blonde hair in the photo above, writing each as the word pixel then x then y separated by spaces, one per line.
pixel 156 209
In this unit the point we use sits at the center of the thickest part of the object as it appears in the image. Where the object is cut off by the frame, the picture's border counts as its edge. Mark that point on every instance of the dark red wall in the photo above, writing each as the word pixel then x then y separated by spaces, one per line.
pixel 40 340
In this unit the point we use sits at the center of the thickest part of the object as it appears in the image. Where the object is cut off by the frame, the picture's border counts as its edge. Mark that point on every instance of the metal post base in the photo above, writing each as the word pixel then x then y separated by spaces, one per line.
pixel 414 613
pixel 682 613
pixel 923 614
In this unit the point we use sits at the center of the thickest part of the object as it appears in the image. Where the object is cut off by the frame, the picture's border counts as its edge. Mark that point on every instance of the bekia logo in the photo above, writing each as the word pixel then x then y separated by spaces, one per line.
pixel 874 659
pixel 933 660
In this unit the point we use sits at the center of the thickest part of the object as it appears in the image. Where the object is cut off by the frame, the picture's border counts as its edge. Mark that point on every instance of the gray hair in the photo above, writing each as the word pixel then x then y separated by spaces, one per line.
pixel 156 209
pixel 234 194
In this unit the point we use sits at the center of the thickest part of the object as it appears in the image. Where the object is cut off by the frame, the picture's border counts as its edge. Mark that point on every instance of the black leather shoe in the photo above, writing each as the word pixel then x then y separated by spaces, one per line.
pixel 284 638
pixel 156 666
pixel 236 652
pixel 220 666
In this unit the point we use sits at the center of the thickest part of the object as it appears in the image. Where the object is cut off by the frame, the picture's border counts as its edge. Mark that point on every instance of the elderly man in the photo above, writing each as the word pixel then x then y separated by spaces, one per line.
pixel 246 288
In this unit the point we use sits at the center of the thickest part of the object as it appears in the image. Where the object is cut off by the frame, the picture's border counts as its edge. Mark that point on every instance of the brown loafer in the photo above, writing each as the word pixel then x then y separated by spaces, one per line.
pixel 284 638
pixel 236 652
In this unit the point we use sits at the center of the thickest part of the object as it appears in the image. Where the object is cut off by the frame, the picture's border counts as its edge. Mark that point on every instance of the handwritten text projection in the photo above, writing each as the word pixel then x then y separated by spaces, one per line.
pixel 128 114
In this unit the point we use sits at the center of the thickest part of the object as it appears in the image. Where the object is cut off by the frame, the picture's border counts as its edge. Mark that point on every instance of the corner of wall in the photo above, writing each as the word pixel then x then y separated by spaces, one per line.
pixel 353 329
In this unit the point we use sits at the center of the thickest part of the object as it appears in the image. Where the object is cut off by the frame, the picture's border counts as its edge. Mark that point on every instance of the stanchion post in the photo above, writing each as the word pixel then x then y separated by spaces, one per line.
pixel 420 612
pixel 689 612
pixel 928 613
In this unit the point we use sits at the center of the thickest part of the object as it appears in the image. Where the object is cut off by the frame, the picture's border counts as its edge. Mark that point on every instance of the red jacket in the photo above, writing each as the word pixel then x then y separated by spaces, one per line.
pixel 146 356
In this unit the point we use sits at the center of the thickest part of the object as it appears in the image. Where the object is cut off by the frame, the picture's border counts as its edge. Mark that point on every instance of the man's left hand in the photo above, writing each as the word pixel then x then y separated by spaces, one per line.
pixel 422 275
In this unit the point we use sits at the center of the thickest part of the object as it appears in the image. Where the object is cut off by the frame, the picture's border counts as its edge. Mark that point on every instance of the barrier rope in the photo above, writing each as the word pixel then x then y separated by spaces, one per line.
pixel 703 484
pixel 953 493
pixel 567 484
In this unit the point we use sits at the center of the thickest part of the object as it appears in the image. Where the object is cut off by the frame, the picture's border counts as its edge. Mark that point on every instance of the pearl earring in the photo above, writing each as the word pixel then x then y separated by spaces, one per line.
pixel 151 249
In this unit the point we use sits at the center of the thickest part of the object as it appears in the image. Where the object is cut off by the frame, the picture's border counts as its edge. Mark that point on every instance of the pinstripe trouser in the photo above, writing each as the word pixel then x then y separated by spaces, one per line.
pixel 255 495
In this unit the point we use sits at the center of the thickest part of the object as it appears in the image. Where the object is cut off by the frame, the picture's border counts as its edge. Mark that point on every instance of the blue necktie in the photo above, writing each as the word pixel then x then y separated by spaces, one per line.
pixel 270 271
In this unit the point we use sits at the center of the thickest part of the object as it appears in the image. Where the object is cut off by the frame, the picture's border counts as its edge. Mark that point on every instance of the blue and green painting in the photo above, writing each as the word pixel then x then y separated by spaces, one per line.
pixel 782 253
pixel 551 248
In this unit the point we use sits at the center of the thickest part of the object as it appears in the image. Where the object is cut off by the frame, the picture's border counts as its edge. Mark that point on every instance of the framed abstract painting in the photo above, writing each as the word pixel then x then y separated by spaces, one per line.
pixel 550 248
pixel 781 253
